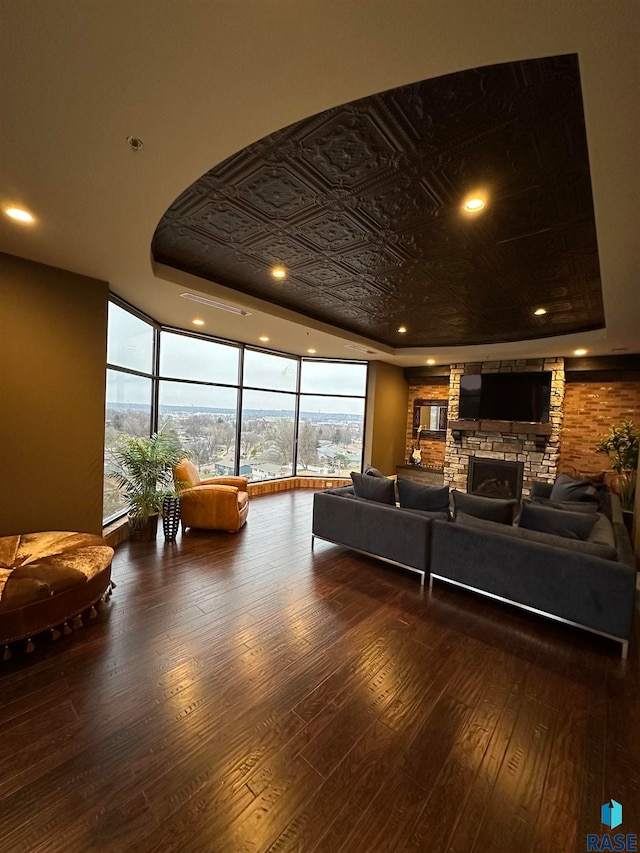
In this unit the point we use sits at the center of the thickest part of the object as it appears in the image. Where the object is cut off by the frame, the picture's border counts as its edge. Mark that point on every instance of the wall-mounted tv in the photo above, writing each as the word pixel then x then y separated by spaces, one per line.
pixel 505 396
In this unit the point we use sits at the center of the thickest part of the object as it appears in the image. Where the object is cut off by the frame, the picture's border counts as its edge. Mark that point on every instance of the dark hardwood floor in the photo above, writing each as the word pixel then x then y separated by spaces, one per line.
pixel 243 693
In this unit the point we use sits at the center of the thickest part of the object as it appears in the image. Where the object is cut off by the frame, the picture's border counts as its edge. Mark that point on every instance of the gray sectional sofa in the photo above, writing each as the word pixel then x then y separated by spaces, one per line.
pixel 588 585
pixel 398 536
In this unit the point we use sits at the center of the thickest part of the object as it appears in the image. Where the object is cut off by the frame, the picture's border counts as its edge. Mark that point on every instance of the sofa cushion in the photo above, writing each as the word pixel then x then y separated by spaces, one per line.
pixel 420 496
pixel 603 532
pixel 558 522
pixel 567 488
pixel 571 506
pixel 378 489
pixel 370 471
pixel 493 509
pixel 576 546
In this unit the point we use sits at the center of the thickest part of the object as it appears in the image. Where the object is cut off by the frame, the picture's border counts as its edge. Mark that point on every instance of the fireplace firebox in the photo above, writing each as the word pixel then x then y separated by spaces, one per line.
pixel 495 478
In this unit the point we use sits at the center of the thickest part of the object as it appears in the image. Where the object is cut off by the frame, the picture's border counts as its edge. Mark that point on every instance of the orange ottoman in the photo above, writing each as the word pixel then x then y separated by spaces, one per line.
pixel 47 580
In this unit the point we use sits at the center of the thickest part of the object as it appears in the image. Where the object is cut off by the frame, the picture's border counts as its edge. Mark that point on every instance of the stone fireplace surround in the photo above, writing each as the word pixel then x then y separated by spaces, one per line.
pixel 539 458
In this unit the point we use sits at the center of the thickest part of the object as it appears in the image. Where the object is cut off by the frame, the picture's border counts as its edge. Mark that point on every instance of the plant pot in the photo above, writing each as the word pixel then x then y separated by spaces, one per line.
pixel 170 517
pixel 144 531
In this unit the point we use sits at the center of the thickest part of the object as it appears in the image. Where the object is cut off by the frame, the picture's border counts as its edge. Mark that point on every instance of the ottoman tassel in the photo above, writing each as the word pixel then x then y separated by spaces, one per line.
pixel 6 653
pixel 54 634
pixel 77 622
pixel 66 629
pixel 93 612
pixel 30 645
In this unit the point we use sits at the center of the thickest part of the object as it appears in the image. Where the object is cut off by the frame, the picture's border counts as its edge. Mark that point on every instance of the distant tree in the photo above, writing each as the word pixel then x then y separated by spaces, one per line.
pixel 341 461
pixel 307 444
pixel 196 426
pixel 249 442
pixel 278 441
pixel 340 436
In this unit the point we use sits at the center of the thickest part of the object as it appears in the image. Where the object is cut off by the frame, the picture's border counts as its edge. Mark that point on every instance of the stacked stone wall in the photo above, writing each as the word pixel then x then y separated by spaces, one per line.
pixel 540 463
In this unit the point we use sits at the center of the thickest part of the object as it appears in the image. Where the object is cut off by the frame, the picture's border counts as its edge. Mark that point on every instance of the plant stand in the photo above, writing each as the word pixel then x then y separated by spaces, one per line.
pixel 170 517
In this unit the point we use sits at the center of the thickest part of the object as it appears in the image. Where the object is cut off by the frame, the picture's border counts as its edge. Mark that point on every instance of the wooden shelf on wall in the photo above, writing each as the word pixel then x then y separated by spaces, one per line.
pixel 501 426
pixel 541 431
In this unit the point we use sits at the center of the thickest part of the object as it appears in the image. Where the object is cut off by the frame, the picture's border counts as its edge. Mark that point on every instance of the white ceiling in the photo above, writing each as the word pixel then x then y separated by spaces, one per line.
pixel 197 80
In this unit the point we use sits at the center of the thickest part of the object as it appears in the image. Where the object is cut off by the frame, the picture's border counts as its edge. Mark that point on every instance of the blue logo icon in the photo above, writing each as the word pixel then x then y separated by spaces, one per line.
pixel 612 814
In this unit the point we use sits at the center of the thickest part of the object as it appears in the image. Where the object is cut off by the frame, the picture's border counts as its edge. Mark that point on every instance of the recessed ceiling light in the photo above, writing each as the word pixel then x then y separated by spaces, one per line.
pixel 198 322
pixel 431 361
pixel 580 351
pixel 263 338
pixel 474 204
pixel 539 312
pixel 402 329
pixel 311 351
pixel 279 272
pixel 19 214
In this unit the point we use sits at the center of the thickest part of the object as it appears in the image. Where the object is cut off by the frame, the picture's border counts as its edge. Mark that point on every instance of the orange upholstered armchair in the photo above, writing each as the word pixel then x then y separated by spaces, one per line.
pixel 219 503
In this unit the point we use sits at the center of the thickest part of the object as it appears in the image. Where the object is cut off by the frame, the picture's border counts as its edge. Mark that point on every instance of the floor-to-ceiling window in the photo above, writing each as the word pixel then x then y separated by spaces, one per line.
pixel 269 400
pixel 131 343
pixel 236 408
pixel 198 396
pixel 331 420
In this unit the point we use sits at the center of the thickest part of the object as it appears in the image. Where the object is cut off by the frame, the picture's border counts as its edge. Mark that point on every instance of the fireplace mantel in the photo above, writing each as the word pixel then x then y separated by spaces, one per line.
pixel 541 431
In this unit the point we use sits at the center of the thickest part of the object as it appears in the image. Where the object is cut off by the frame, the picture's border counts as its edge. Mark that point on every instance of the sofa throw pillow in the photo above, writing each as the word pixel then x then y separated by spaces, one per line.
pixel 370 471
pixel 378 489
pixel 419 496
pixel 576 546
pixel 557 522
pixel 500 510
pixel 567 488
pixel 571 506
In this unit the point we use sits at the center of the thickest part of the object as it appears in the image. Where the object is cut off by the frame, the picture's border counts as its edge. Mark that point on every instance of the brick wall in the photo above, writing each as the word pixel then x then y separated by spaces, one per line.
pixel 590 408
pixel 432 451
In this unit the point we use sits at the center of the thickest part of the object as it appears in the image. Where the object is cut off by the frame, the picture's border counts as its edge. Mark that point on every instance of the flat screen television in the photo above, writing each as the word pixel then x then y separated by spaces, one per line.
pixel 505 396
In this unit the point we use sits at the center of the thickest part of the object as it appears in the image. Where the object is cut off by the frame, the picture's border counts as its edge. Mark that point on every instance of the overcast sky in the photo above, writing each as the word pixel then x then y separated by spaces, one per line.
pixel 131 345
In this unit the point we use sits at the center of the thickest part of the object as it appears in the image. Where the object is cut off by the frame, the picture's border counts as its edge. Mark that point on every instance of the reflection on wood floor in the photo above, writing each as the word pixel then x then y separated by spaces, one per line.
pixel 243 693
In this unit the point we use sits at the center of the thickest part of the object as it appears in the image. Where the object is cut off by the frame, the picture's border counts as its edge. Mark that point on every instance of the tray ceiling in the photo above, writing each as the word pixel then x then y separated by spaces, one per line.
pixel 362 205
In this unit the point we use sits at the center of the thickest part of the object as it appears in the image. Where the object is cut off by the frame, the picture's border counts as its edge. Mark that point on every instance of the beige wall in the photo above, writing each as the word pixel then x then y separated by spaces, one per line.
pixel 387 395
pixel 52 384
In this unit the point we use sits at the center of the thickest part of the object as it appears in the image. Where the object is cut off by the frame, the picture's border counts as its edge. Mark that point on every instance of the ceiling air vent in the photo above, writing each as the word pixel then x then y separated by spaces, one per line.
pixel 361 349
pixel 213 304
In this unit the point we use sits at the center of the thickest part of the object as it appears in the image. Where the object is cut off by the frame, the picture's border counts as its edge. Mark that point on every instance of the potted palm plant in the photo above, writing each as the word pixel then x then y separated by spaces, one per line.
pixel 621 446
pixel 143 469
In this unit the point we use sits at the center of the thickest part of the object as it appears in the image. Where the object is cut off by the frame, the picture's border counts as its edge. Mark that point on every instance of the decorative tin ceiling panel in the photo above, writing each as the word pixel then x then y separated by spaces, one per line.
pixel 362 205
